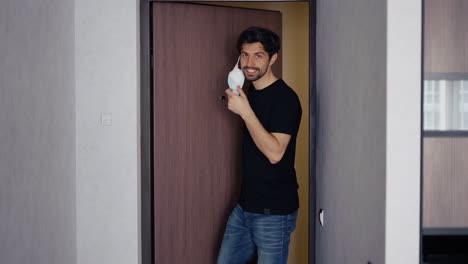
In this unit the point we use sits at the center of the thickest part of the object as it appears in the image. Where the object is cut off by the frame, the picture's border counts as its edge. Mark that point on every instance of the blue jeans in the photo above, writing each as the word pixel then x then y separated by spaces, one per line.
pixel 247 232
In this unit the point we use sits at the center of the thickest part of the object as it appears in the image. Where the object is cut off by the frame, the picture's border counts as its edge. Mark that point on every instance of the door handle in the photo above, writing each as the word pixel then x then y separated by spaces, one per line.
pixel 321 216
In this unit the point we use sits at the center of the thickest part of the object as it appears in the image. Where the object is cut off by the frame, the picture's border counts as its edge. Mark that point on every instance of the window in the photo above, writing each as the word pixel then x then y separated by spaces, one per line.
pixel 431 105
pixel 446 105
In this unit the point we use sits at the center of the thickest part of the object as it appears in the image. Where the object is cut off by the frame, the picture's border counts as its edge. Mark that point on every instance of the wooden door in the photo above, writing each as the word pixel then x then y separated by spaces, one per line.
pixel 445 36
pixel 196 138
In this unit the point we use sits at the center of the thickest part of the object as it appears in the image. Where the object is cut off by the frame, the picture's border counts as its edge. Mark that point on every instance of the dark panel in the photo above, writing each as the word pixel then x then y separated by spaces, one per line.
pixel 312 128
pixel 451 76
pixel 146 152
pixel 445 182
pixel 445 36
pixel 197 140
pixel 445 231
pixel 446 133
pixel 445 249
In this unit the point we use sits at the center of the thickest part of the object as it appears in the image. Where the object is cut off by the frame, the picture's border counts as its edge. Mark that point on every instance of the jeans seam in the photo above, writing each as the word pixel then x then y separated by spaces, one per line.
pixel 285 220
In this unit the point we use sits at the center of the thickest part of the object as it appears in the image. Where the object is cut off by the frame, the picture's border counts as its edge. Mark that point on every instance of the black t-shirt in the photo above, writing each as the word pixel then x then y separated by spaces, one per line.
pixel 271 188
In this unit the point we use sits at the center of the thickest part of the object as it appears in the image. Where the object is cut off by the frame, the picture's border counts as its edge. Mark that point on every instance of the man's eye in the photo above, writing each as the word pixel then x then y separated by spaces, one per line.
pixel 258 56
pixel 244 55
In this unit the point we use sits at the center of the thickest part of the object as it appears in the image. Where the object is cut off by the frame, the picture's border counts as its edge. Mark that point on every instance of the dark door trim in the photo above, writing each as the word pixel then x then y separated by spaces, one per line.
pixel 146 128
pixel 313 123
pixel 146 138
pixel 421 139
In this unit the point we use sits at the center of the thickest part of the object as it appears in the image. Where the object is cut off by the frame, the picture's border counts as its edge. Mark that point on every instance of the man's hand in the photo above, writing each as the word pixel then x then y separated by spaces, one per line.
pixel 239 104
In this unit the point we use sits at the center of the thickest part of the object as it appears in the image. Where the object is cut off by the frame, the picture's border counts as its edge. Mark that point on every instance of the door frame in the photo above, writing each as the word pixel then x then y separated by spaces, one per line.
pixel 146 127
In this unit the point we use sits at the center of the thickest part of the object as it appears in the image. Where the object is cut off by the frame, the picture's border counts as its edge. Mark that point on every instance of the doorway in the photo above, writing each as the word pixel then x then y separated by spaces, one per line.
pixel 294 72
pixel 445 132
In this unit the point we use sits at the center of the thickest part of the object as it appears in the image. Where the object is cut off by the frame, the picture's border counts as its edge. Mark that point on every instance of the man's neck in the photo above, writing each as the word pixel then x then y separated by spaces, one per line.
pixel 265 81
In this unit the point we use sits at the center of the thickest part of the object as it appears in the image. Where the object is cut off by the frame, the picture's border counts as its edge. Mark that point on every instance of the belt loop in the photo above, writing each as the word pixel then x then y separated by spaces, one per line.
pixel 266 211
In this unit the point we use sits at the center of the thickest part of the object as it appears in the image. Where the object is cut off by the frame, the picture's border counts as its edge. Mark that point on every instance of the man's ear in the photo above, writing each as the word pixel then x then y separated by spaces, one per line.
pixel 273 58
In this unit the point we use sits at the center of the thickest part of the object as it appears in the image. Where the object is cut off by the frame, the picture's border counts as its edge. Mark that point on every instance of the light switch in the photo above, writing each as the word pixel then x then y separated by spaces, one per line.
pixel 106 119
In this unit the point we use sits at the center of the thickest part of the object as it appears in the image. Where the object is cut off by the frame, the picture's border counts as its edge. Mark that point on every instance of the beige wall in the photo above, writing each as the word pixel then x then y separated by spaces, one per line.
pixel 295 48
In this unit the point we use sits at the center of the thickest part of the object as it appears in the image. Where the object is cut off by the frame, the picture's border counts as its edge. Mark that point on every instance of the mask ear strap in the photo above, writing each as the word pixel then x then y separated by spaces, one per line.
pixel 238 59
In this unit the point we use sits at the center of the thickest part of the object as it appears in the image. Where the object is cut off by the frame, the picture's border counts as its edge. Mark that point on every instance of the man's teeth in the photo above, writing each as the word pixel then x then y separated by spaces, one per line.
pixel 251 70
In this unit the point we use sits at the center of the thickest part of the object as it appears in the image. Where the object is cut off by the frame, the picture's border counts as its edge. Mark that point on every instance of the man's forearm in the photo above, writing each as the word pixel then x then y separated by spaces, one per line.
pixel 268 144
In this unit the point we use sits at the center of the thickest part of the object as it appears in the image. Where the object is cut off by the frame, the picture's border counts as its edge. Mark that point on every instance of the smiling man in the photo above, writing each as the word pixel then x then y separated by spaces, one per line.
pixel 266 213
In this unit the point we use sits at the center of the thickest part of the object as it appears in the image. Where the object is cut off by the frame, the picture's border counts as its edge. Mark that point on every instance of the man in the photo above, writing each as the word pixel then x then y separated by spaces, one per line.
pixel 266 213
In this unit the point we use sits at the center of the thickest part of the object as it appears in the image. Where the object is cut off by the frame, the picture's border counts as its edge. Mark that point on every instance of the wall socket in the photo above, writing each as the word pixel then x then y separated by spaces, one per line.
pixel 106 119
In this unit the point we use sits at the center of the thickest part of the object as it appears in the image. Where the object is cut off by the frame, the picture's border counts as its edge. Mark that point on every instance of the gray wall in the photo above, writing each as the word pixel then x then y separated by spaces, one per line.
pixel 368 167
pixel 351 81
pixel 37 132
pixel 107 75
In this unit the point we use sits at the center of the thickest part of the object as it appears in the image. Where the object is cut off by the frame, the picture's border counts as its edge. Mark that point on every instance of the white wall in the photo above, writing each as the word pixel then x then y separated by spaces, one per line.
pixel 107 176
pixel 403 131
pixel 37 132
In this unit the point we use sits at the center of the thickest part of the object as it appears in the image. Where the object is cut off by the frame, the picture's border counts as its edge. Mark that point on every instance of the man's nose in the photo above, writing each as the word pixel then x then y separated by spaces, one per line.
pixel 250 61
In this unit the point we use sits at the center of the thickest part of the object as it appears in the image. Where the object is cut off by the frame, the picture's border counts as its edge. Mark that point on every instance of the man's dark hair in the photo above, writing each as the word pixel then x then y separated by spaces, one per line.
pixel 269 39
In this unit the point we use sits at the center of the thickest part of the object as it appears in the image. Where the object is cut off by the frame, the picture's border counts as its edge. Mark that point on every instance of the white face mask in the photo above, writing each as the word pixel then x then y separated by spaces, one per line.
pixel 236 77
